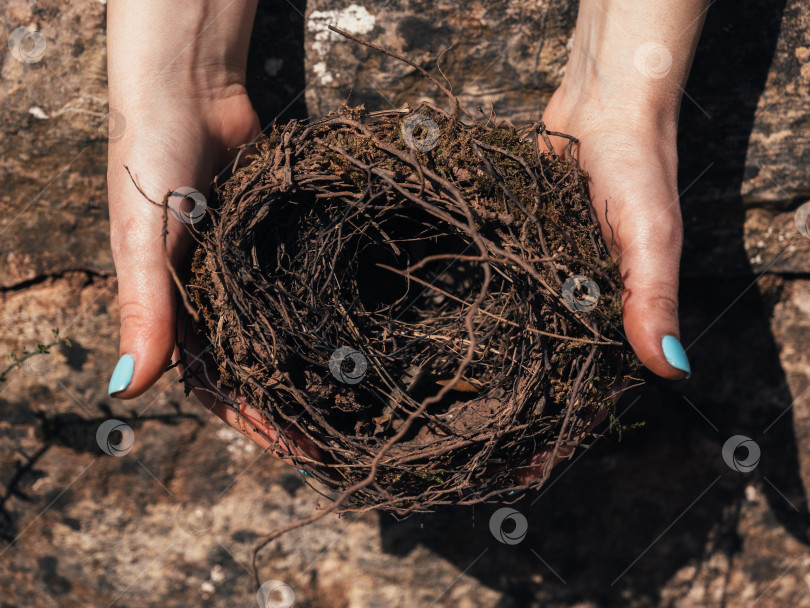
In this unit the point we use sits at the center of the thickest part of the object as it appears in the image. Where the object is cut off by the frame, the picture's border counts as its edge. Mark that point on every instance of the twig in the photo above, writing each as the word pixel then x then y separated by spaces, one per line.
pixel 164 233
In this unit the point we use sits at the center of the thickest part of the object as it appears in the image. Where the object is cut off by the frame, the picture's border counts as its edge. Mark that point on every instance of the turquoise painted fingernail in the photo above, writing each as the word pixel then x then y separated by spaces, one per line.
pixel 122 374
pixel 675 354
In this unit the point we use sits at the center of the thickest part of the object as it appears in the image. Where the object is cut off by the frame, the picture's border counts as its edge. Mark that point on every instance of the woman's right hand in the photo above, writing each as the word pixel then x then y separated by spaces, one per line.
pixel 620 97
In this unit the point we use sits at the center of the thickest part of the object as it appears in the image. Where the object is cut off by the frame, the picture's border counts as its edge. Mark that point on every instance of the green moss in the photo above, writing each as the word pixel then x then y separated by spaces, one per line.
pixel 432 477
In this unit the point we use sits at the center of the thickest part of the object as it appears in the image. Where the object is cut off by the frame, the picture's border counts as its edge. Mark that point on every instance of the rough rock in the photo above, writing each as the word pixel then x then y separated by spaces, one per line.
pixel 656 519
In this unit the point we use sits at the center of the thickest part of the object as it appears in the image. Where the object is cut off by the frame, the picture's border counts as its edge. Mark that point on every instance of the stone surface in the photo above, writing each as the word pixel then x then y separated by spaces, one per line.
pixel 656 519
pixel 53 150
pixel 511 54
pixel 747 97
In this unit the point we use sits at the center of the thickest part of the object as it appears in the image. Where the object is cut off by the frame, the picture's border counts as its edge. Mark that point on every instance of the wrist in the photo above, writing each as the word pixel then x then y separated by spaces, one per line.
pixel 161 48
pixel 634 57
pixel 624 102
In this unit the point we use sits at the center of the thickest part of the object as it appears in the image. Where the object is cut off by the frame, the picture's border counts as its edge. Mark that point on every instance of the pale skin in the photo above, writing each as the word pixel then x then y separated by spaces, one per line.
pixel 177 74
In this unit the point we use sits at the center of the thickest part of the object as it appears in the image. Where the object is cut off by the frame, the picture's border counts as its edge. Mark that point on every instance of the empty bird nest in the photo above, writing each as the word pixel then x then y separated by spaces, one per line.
pixel 418 296
pixel 422 296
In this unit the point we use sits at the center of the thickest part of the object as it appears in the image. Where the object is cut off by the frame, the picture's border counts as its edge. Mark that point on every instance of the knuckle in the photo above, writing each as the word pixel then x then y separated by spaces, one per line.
pixel 129 238
pixel 134 315
pixel 663 302
pixel 668 228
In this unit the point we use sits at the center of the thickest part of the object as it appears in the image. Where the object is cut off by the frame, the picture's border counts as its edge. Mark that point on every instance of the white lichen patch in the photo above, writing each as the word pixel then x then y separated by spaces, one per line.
pixel 354 19
pixel 320 72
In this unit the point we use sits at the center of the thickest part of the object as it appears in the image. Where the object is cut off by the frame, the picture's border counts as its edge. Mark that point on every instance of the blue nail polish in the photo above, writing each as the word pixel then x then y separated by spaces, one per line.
pixel 122 374
pixel 675 354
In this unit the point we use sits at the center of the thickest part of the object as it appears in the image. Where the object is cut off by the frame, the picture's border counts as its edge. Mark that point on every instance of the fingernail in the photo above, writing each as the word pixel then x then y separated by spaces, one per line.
pixel 122 374
pixel 675 354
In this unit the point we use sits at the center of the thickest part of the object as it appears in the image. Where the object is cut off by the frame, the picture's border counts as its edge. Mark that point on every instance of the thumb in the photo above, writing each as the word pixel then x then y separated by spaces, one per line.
pixel 146 298
pixel 650 248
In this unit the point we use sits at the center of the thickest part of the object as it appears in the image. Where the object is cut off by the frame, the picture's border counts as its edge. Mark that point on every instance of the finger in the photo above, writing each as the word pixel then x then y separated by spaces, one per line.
pixel 640 215
pixel 146 290
pixel 145 295
pixel 253 425
pixel 649 235
pixel 237 133
pixel 161 161
pixel 650 274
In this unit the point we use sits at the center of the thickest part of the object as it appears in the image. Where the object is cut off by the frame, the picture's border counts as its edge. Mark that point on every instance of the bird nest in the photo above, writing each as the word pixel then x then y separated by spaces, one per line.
pixel 425 297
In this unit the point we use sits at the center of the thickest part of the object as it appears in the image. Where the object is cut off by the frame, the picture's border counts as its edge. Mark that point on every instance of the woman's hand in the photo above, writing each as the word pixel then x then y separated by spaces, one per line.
pixel 620 97
pixel 176 75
